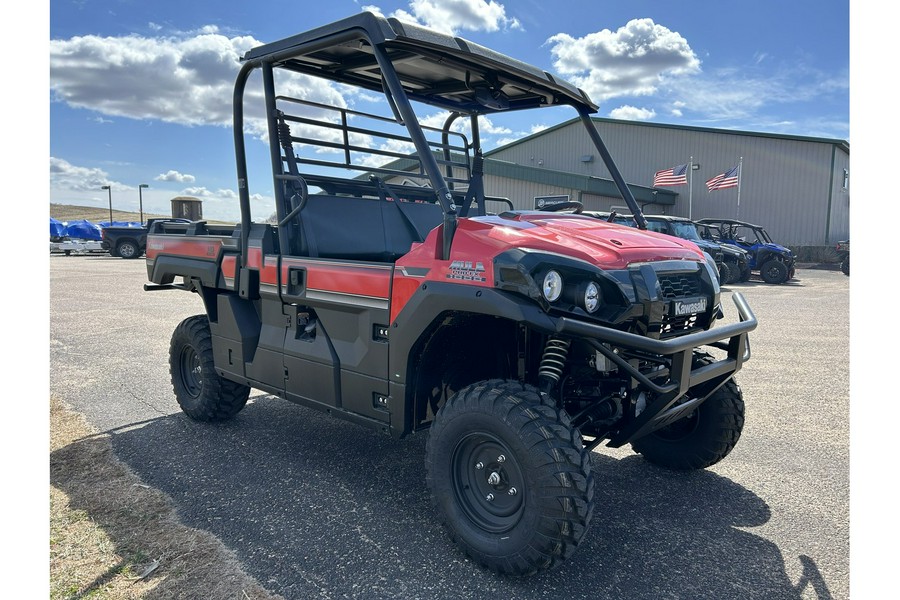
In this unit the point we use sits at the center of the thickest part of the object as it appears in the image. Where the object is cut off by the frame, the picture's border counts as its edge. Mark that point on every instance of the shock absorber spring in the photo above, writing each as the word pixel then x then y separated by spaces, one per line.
pixel 556 351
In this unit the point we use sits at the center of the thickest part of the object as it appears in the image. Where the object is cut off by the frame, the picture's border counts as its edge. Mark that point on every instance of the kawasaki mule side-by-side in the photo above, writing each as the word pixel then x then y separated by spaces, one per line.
pixel 388 294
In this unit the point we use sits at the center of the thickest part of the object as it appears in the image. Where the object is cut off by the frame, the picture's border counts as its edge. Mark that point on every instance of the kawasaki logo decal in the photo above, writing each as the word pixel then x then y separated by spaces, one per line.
pixel 688 307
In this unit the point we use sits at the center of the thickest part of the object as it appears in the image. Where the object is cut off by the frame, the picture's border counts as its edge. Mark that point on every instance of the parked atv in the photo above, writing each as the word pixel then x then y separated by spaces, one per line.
pixel 392 298
pixel 737 259
pixel 774 263
pixel 732 263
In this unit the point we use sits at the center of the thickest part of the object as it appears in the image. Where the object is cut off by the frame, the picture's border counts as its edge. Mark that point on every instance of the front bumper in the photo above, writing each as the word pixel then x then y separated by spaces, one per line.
pixel 680 378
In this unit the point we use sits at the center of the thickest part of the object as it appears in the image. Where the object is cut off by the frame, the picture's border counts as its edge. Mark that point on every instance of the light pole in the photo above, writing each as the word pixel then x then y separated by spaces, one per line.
pixel 108 188
pixel 141 200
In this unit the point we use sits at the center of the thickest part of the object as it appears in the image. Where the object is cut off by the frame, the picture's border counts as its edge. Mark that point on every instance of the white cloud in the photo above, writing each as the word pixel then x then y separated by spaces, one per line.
pixel 648 61
pixel 461 125
pixel 203 192
pixel 632 113
pixel 198 191
pixel 633 60
pixel 184 80
pixel 732 94
pixel 176 177
pixel 487 127
pixel 71 178
pixel 509 136
pixel 81 186
pixel 450 16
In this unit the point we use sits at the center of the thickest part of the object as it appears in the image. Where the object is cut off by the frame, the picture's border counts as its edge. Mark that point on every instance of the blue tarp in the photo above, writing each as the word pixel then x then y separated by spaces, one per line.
pixel 56 228
pixel 82 230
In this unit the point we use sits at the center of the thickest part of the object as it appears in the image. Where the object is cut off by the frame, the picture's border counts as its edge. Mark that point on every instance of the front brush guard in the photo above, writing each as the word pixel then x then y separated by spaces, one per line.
pixel 682 378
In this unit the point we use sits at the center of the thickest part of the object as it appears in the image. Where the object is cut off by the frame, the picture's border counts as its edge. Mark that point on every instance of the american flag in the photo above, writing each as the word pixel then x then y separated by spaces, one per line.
pixel 728 179
pixel 674 176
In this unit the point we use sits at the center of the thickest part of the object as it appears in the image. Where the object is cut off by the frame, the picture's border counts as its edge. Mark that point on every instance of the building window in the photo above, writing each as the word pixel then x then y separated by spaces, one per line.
pixel 846 184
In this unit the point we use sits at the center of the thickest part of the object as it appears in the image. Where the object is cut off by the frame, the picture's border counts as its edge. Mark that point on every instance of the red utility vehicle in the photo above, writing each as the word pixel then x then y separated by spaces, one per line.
pixel 395 299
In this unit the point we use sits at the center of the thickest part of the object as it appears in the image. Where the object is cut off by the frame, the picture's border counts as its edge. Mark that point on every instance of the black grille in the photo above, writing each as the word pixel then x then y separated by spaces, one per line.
pixel 679 285
pixel 675 326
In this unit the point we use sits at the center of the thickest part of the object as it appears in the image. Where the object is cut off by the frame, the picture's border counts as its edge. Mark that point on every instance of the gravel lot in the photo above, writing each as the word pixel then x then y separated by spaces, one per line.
pixel 320 508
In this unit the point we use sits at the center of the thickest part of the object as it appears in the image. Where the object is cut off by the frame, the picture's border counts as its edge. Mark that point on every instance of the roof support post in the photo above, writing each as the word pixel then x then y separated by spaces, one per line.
pixel 404 108
pixel 240 154
pixel 613 169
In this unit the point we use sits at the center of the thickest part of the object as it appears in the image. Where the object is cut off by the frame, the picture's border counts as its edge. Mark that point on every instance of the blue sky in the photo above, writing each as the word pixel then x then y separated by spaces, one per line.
pixel 140 91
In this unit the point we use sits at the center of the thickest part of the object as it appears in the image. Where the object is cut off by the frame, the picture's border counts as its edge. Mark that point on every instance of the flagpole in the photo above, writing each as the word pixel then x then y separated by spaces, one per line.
pixel 691 190
pixel 740 176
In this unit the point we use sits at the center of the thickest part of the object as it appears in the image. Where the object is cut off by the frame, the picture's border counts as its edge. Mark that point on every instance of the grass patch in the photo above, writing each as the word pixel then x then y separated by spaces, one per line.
pixel 113 537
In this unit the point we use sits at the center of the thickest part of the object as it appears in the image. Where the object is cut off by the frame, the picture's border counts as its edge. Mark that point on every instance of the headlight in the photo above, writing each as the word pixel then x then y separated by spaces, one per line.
pixel 714 270
pixel 591 297
pixel 552 287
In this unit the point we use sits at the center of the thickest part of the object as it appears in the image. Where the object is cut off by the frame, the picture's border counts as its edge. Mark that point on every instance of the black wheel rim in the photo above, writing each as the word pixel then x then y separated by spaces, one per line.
pixel 190 371
pixel 487 482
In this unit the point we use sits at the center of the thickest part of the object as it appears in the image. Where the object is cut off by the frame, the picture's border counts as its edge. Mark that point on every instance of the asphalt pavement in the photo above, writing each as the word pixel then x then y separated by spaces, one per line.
pixel 316 507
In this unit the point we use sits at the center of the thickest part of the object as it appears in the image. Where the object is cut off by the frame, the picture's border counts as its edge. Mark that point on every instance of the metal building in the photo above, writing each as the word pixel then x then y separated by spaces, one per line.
pixel 187 207
pixel 796 187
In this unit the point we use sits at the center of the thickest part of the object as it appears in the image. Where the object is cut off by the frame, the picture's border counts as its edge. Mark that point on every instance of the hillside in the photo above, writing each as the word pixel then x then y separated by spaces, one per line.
pixel 69 212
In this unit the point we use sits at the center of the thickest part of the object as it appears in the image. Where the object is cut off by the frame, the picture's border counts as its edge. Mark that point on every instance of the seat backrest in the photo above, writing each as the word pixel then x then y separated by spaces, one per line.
pixel 366 229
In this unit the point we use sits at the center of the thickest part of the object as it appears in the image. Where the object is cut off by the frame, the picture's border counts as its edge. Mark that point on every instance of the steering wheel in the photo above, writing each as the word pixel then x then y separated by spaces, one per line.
pixel 561 206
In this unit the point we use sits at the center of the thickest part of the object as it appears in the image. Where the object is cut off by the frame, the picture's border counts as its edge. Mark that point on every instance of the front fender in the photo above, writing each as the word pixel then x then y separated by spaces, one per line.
pixel 432 299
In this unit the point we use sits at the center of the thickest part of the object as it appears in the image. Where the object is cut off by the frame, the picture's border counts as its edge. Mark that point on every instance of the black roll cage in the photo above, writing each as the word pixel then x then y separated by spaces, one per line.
pixel 405 63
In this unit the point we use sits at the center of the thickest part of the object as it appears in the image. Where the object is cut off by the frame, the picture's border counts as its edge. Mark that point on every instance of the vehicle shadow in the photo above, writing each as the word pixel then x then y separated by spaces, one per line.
pixel 317 507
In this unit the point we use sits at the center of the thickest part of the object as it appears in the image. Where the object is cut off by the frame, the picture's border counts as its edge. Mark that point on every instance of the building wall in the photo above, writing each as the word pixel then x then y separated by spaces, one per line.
pixel 791 186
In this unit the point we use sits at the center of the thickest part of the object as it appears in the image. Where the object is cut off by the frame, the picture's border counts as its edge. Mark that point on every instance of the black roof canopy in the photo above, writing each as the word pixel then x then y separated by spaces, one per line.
pixel 434 68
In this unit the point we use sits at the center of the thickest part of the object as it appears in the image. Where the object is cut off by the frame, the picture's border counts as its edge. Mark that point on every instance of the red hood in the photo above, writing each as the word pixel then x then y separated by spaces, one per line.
pixel 608 245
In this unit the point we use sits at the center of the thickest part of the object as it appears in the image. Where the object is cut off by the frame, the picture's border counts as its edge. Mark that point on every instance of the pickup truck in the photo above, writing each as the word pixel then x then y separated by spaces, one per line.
pixel 517 342
pixel 129 242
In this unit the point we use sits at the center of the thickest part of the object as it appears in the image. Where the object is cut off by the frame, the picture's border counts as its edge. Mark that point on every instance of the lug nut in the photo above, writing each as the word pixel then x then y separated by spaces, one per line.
pixel 512 491
pixel 479 465
pixel 490 497
pixel 501 459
